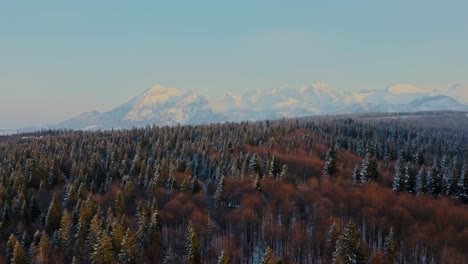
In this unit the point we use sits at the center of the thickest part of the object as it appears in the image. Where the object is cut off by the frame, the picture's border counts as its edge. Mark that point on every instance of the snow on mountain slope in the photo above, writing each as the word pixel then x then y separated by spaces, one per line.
pixel 159 105
pixel 458 91
pixel 168 106
pixel 438 102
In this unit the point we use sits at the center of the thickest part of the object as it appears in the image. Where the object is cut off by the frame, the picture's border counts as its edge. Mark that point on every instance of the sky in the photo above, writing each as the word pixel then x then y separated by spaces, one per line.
pixel 62 58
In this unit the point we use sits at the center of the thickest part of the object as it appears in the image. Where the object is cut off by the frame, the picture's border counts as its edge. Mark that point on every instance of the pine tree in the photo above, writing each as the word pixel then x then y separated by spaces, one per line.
pixel 19 256
pixel 391 247
pixel 331 164
pixel 11 244
pixel 421 183
pixel 332 237
pixel 373 170
pixel 142 229
pixel 356 174
pixel 435 184
pixel 65 232
pixel 103 250
pixel 365 169
pixel 268 257
pixel 254 167
pixel 284 173
pixel 54 215
pixel 119 205
pixel 223 258
pixel 128 248
pixel 154 236
pixel 462 185
pixel 350 246
pixel 44 250
pixel 95 231
pixel 192 245
pixel 117 236
pixel 219 196
pixel 398 185
pixel 274 167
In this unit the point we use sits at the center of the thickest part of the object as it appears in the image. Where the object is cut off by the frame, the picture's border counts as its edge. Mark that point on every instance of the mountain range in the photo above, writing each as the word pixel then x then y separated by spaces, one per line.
pixel 163 106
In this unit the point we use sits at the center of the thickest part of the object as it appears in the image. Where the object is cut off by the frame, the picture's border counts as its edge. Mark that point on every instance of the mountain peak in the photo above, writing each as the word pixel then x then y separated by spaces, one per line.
pixel 163 105
pixel 159 94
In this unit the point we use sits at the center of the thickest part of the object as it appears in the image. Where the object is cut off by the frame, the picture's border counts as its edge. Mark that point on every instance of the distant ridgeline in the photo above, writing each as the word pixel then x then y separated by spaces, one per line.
pixel 370 188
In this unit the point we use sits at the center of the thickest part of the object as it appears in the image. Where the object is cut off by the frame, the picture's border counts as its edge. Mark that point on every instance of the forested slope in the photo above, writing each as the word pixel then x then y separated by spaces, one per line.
pixel 368 188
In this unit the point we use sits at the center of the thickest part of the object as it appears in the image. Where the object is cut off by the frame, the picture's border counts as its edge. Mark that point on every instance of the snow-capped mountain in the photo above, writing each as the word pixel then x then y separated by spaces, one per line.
pixel 169 106
pixel 159 105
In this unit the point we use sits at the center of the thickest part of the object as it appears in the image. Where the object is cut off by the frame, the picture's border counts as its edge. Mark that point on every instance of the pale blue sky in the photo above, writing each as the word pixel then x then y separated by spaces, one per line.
pixel 62 58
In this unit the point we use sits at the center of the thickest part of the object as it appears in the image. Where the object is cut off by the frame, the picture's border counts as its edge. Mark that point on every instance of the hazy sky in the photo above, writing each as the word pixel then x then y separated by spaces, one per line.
pixel 62 58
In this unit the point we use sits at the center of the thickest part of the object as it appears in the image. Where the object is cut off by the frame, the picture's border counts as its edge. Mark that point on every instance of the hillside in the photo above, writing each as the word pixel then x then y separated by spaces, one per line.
pixel 374 188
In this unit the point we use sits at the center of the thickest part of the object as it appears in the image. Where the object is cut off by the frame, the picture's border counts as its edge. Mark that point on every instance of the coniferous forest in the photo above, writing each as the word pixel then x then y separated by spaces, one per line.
pixel 374 188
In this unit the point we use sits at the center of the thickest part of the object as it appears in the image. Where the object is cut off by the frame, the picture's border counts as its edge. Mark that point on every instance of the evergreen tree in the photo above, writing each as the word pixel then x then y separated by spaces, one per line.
pixel 65 232
pixel 356 174
pixel 421 183
pixel 274 169
pixel 44 250
pixel 284 173
pixel 398 180
pixel 332 237
pixel 117 236
pixel 409 180
pixel 254 165
pixel 331 163
pixel 219 196
pixel 103 250
pixel 462 185
pixel 373 170
pixel 435 184
pixel 95 231
pixel 350 246
pixel 19 257
pixel 223 258
pixel 128 248
pixel 192 245
pixel 365 169
pixel 54 215
pixel 391 247
pixel 142 231
pixel 268 257
pixel 11 244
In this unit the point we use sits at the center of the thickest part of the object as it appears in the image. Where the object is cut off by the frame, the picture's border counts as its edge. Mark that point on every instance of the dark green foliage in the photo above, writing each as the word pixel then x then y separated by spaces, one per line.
pixel 331 163
pixel 350 246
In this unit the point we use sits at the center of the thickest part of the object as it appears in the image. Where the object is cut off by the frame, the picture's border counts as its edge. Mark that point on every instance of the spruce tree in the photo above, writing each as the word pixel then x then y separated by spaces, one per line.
pixel 192 245
pixel 350 246
pixel 54 215
pixel 223 258
pixel 331 163
pixel 356 174
pixel 391 247
pixel 128 248
pixel 268 257
pixel 18 257
pixel 103 250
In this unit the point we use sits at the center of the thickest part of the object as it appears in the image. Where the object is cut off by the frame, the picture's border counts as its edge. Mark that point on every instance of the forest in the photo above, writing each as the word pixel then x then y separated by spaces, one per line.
pixel 370 188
